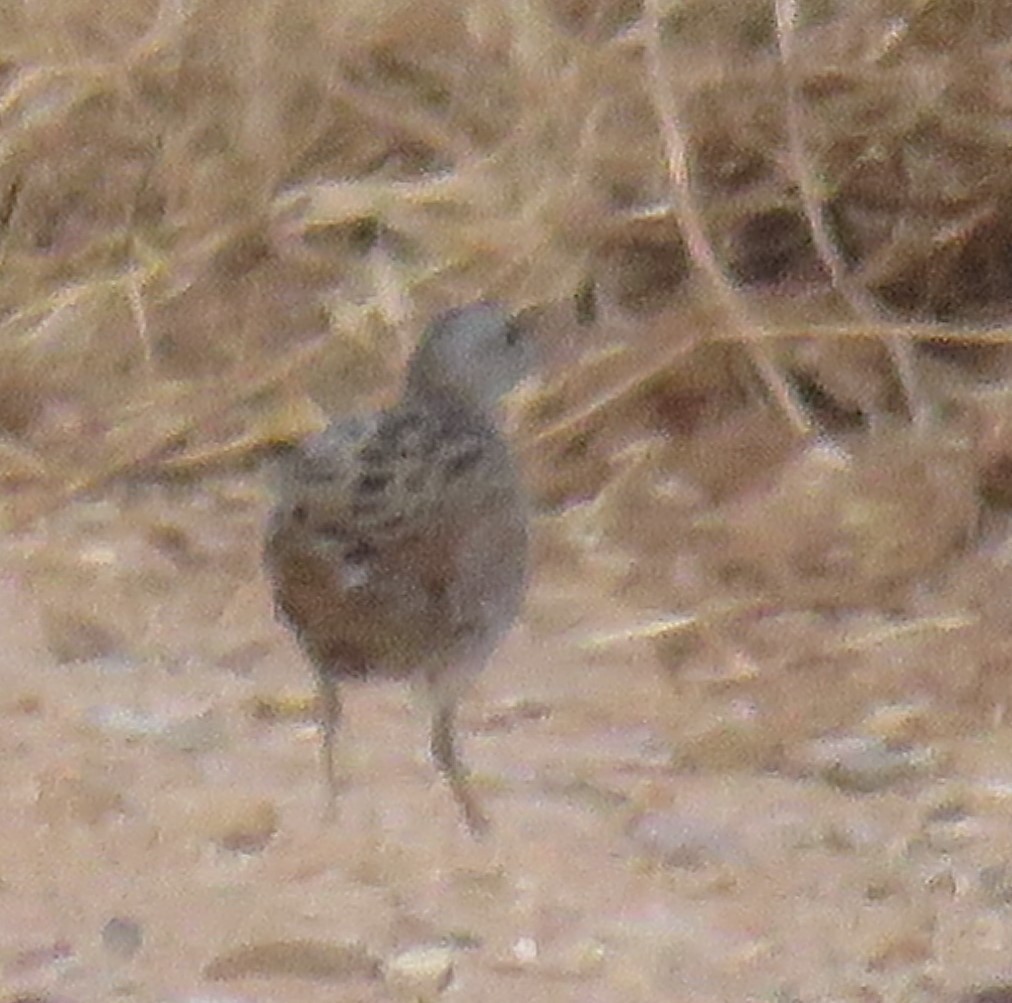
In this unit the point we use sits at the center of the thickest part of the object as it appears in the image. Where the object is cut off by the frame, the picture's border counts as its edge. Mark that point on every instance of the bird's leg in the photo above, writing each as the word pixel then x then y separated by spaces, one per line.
pixel 444 753
pixel 329 716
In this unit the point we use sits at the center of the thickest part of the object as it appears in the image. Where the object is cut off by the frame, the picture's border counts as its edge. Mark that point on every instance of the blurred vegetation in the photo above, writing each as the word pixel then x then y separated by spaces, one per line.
pixel 775 241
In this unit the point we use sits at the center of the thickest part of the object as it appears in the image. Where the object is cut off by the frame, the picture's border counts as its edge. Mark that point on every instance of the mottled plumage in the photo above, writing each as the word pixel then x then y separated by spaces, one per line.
pixel 397 547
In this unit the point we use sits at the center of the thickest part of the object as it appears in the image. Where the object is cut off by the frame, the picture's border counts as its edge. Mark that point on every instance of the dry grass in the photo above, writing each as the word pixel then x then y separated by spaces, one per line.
pixel 772 440
pixel 758 224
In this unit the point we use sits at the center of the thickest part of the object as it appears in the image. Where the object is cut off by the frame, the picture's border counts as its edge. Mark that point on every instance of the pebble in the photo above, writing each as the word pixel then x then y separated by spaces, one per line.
pixel 726 745
pixel 306 959
pixel 682 840
pixel 194 733
pixel 899 722
pixel 996 882
pixel 861 764
pixel 1000 992
pixel 420 973
pixel 242 825
pixel 122 936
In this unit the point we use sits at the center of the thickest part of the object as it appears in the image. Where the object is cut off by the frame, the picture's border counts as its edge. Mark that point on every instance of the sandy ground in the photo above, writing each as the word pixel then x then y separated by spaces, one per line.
pixel 161 838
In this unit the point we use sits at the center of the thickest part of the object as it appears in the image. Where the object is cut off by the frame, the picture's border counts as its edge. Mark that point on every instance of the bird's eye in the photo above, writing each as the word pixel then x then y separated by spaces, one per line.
pixel 514 331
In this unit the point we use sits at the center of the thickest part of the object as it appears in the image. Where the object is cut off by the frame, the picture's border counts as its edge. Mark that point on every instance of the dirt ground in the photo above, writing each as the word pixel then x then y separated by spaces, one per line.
pixel 751 739
pixel 161 835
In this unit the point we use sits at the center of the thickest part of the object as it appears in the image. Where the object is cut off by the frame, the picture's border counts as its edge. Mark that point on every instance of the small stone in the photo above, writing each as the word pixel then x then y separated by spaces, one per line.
pixel 195 733
pixel 280 708
pixel 949 835
pixel 113 719
pixel 235 822
pixel 942 882
pixel 996 882
pixel 1001 992
pixel 79 637
pixel 198 733
pixel 307 959
pixel 420 973
pixel 122 936
pixel 680 840
pixel 898 723
pixel 525 950
pixel 727 745
pixel 863 765
pixel 250 828
pixel 86 796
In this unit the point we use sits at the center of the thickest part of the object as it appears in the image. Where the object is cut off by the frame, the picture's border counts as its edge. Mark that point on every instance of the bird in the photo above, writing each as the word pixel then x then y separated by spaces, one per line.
pixel 397 545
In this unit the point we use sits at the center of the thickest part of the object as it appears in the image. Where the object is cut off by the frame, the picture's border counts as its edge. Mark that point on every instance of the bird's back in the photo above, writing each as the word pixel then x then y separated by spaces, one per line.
pixel 399 541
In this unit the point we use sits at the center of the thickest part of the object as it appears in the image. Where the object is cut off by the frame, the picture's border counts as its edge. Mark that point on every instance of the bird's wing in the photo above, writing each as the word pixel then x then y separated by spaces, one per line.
pixel 366 486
